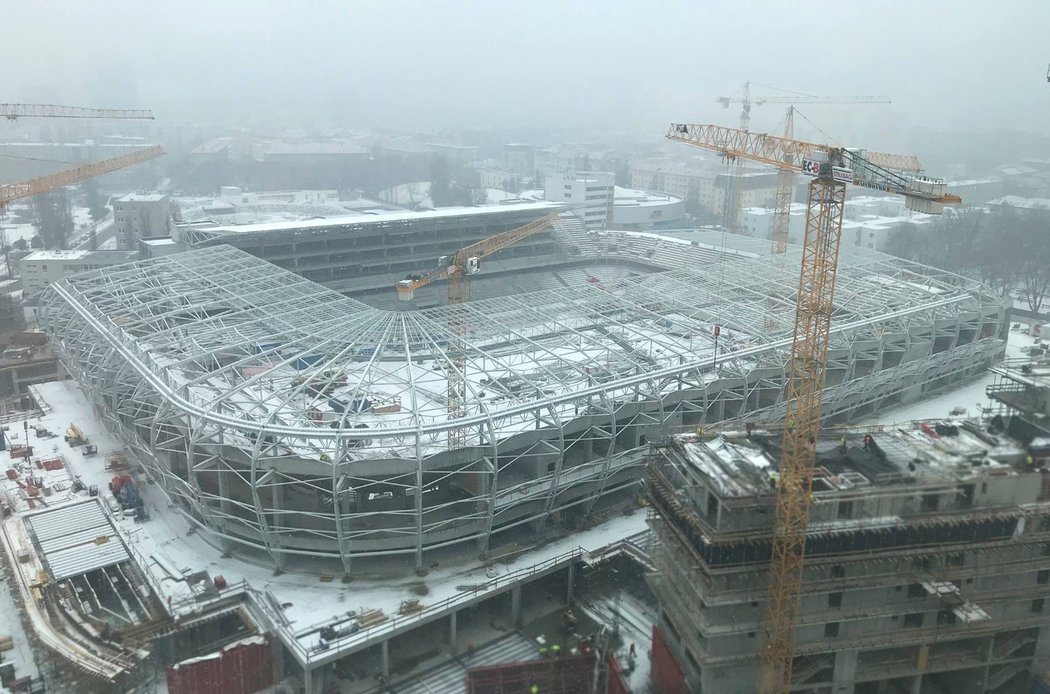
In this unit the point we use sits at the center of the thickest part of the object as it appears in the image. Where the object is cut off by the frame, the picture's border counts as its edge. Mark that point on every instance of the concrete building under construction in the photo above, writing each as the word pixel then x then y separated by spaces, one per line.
pixel 927 558
pixel 289 421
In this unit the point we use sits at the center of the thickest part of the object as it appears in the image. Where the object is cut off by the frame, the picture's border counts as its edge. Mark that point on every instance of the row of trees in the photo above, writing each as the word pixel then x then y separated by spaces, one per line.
pixel 445 192
pixel 1007 248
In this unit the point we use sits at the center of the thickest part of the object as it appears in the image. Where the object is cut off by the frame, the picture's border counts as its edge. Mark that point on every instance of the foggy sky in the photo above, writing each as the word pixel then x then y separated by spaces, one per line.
pixel 949 65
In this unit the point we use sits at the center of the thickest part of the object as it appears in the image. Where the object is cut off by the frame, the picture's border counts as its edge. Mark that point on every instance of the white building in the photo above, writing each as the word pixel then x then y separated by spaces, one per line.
pixel 141 216
pixel 590 193
pixel 41 268
pixel 237 196
pixel 519 159
pixel 693 183
pixel 638 209
pixel 868 221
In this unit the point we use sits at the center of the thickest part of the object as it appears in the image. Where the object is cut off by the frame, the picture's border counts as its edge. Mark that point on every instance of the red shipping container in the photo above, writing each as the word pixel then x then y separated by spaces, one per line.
pixel 666 674
pixel 617 682
pixel 243 667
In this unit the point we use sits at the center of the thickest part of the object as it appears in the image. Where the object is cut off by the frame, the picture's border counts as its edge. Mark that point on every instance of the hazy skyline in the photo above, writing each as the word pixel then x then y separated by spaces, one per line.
pixel 947 65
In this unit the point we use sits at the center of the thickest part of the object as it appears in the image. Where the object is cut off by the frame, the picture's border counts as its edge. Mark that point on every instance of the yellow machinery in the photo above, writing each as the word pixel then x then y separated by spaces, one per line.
pixel 42 184
pixel 456 270
pixel 831 168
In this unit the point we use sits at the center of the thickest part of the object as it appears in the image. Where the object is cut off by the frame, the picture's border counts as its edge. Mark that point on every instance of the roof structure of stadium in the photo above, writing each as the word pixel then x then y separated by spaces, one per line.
pixel 287 418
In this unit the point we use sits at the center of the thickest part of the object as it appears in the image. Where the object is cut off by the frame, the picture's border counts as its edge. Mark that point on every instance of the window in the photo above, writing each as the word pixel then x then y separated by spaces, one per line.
pixel 930 502
pixel 913 620
pixel 915 590
pixel 831 630
pixel 838 571
pixel 955 559
pixel 834 599
pixel 1037 604
pixel 1043 577
pixel 750 634
pixel 845 509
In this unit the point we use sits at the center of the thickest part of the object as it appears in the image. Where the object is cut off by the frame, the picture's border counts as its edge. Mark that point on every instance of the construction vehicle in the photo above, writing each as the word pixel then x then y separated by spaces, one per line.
pixel 455 270
pixel 785 177
pixel 831 168
pixel 74 436
pixel 16 111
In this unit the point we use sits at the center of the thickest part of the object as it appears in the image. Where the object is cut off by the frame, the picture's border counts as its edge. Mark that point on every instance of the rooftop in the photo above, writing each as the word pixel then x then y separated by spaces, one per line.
pixel 108 256
pixel 307 361
pixel 382 218
pixel 143 197
pixel 629 197
pixel 739 465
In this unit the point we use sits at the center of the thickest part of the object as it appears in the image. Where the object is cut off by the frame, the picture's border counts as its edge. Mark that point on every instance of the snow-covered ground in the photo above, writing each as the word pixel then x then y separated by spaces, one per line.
pixel 11 625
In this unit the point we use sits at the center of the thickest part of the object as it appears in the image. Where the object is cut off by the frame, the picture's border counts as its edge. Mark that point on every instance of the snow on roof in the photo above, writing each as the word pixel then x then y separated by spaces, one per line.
pixel 1022 202
pixel 630 197
pixel 142 197
pixel 75 538
pixel 55 255
pixel 737 464
pixel 385 217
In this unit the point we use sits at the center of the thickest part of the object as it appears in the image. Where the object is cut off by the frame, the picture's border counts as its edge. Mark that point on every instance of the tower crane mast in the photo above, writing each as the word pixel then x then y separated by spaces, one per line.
pixel 785 178
pixel 831 168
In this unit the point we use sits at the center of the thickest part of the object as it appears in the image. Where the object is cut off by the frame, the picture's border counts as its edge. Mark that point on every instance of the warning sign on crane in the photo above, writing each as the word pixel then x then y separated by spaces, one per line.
pixel 842 174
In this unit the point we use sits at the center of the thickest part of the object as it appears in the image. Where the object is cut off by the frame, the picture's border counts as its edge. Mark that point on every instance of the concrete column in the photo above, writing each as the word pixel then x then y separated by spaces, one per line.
pixel 845 672
pixel 308 681
pixel 1042 645
pixel 571 585
pixel 515 606
pixel 277 654
pixel 452 630
pixel 385 650
pixel 916 684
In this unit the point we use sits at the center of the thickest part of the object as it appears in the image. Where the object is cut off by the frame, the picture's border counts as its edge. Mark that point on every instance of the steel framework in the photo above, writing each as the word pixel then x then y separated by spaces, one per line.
pixel 284 418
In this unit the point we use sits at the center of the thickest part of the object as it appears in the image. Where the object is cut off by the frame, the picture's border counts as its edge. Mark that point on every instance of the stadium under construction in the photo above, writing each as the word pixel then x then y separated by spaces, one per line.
pixel 307 428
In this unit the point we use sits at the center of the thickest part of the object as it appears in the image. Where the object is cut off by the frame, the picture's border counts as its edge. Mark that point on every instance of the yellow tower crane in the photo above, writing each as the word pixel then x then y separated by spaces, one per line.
pixel 785 177
pixel 831 168
pixel 456 270
pixel 42 184
pixel 16 111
